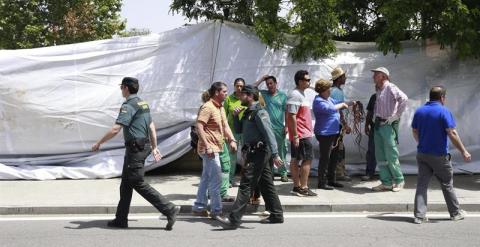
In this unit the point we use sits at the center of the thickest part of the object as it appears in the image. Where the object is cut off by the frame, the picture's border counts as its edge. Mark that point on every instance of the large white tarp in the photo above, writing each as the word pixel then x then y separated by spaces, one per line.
pixel 55 102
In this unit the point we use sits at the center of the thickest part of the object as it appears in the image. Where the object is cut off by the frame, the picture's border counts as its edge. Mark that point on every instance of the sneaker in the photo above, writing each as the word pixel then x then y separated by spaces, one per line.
pixel 116 224
pixel 398 187
pixel 284 179
pixel 459 216
pixel 307 192
pixel 203 213
pixel 172 218
pixel 382 187
pixel 344 178
pixel 296 191
pixel 417 220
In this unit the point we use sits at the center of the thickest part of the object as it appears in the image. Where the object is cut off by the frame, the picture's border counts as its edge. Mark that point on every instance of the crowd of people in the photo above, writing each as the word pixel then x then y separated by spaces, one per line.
pixel 257 122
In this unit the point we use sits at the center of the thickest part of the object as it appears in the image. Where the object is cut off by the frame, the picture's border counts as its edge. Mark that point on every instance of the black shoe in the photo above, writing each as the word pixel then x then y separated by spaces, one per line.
pixel 336 185
pixel 228 199
pixel 225 222
pixel 172 218
pixel 117 224
pixel 325 187
pixel 270 220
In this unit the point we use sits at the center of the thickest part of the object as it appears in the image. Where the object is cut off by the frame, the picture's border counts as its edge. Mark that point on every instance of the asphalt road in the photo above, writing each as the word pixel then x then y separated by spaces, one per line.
pixel 298 230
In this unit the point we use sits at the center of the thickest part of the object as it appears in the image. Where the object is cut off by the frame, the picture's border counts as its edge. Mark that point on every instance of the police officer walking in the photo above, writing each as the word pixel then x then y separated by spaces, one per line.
pixel 138 130
pixel 259 149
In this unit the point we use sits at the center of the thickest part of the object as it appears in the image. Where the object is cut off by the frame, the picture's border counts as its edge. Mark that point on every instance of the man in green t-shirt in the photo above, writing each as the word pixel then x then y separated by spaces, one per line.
pixel 231 103
pixel 276 106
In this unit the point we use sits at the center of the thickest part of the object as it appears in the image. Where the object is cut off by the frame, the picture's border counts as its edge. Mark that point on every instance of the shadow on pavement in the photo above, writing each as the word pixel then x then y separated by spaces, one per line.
pixel 102 224
pixel 394 218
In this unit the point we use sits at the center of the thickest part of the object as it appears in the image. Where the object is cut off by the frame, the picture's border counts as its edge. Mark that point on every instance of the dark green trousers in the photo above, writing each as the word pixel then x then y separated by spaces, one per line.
pixel 133 179
pixel 258 173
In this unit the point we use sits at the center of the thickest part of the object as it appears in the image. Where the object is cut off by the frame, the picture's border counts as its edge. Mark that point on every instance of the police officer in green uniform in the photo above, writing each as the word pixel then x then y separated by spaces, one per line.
pixel 138 130
pixel 260 151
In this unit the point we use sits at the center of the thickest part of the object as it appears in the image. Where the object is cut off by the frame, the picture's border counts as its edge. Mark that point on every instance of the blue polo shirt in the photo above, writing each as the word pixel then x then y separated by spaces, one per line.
pixel 327 118
pixel 431 122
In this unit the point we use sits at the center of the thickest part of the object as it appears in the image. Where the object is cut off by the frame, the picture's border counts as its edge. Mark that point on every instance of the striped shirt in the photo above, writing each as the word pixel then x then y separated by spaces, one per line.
pixel 212 115
pixel 390 101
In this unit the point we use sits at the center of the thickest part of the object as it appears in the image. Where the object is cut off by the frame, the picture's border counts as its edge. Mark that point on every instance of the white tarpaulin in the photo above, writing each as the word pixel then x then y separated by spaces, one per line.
pixel 55 102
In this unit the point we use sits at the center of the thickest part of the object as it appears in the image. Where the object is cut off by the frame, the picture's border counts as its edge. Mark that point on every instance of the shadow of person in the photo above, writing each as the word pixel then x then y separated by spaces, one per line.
pixel 102 224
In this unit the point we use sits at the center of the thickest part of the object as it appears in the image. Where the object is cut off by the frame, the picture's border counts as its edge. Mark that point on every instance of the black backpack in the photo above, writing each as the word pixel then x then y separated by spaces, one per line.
pixel 193 137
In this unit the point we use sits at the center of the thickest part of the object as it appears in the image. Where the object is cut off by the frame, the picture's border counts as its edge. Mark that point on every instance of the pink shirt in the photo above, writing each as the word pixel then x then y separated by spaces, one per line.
pixel 297 103
pixel 390 101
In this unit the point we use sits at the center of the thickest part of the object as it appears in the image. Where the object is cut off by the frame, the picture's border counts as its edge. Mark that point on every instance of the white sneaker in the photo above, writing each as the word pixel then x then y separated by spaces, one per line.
pixel 419 220
pixel 459 216
pixel 382 187
pixel 398 187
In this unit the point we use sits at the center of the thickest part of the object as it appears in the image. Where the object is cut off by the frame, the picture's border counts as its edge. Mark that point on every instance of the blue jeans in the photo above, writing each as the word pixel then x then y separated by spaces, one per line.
pixel 211 180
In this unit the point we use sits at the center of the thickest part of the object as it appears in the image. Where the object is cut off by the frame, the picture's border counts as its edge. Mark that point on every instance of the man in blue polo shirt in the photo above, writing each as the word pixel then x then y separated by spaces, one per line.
pixel 431 125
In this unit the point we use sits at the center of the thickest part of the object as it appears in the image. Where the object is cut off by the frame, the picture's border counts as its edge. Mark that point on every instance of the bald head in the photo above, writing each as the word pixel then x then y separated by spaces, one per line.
pixel 437 92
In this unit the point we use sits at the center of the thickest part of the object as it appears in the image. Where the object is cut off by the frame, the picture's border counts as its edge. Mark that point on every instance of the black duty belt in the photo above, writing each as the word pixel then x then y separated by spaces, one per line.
pixel 136 144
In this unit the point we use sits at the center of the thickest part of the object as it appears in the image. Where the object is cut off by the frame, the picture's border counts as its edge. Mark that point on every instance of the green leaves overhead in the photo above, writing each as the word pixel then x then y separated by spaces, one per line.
pixel 37 23
pixel 310 26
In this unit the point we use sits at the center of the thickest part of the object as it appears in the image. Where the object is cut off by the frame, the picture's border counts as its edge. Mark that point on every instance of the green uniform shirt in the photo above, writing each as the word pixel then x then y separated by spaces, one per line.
pixel 135 118
pixel 232 102
pixel 276 106
pixel 255 126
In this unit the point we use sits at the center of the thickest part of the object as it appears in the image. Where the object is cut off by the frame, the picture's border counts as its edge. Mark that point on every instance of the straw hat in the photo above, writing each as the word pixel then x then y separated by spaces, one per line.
pixel 337 72
pixel 322 85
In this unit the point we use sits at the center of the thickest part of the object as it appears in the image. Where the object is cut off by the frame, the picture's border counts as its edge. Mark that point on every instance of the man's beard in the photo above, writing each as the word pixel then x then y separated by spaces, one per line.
pixel 244 103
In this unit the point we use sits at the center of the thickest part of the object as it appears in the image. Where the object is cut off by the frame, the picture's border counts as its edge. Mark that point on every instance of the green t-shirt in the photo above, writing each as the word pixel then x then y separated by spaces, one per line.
pixel 276 106
pixel 232 102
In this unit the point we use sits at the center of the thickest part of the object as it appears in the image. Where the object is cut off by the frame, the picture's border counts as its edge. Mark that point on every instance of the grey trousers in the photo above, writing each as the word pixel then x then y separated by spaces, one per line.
pixel 441 168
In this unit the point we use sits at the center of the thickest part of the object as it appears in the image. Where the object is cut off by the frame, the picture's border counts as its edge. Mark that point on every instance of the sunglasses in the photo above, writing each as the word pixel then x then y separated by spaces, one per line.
pixel 306 79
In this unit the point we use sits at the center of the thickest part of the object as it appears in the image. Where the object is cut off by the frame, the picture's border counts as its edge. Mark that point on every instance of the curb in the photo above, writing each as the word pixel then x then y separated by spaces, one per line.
pixel 186 209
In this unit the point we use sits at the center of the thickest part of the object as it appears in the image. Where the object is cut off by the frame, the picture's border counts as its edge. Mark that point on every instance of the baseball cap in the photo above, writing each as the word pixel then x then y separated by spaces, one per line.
pixel 381 69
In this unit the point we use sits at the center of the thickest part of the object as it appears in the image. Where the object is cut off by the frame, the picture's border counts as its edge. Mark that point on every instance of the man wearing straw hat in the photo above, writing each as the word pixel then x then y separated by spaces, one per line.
pixel 338 153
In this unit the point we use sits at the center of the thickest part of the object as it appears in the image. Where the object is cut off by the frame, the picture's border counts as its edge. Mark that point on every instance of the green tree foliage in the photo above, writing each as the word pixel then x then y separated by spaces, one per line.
pixel 310 26
pixel 37 23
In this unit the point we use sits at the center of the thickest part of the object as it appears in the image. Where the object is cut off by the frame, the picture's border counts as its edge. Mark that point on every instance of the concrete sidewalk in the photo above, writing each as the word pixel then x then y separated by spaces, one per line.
pixel 101 196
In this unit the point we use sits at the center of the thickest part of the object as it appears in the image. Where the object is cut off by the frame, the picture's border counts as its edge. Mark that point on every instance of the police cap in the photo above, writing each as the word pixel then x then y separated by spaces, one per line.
pixel 250 90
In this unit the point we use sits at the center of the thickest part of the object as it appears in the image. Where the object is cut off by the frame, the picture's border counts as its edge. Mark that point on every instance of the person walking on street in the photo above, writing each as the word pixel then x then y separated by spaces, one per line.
pixel 232 103
pixel 224 162
pixel 276 106
pixel 138 130
pixel 300 132
pixel 369 131
pixel 389 106
pixel 431 125
pixel 213 131
pixel 327 129
pixel 259 149
pixel 338 152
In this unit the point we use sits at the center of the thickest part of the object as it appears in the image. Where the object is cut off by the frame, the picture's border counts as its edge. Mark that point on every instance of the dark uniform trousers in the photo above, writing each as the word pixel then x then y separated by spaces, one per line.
pixel 133 178
pixel 258 173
